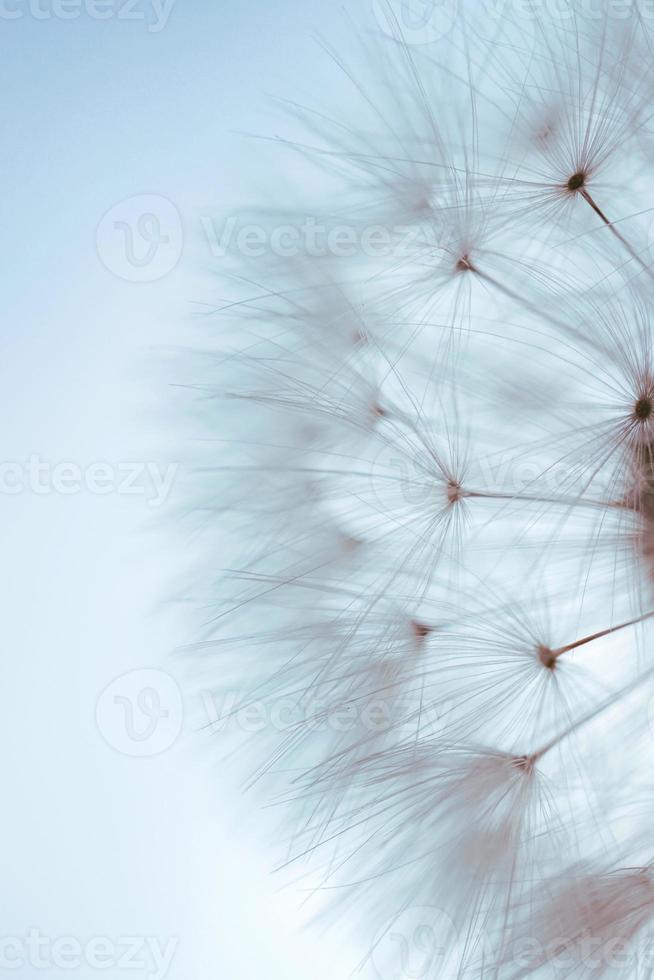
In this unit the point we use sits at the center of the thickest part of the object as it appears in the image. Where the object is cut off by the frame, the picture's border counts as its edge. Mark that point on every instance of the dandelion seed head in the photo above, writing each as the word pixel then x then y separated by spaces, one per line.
pixel 449 541
pixel 613 908
pixel 523 763
pixel 547 657
pixel 454 491
pixel 577 181
pixel 421 630
pixel 464 264
pixel 643 408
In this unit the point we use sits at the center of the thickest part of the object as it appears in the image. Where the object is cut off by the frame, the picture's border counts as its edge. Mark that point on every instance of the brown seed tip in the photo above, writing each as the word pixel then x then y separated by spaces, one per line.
pixel 577 181
pixel 454 491
pixel 643 409
pixel 464 264
pixel 420 630
pixel 547 657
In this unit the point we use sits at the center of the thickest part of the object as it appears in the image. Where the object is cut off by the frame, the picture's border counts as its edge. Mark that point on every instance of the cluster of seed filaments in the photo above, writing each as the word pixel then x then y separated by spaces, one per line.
pixel 454 491
pixel 547 657
pixel 465 264
pixel 643 408
pixel 577 181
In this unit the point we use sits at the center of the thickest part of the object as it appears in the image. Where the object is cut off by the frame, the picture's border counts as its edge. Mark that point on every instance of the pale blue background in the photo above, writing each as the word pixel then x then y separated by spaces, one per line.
pixel 95 843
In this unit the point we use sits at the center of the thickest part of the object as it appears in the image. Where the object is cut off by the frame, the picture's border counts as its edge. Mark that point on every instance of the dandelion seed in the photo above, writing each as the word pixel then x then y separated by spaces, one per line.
pixel 435 466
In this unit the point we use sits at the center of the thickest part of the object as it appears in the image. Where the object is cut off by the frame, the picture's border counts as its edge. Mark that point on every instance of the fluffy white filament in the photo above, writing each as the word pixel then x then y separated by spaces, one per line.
pixel 436 468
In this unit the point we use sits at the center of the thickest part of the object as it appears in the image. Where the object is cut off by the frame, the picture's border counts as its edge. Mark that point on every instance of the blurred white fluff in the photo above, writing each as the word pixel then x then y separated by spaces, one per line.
pixel 427 493
pixel 589 923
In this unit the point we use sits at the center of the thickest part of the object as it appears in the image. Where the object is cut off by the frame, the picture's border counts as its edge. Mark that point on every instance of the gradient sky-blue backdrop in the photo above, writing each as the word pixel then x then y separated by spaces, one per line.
pixel 96 843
